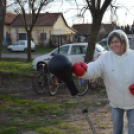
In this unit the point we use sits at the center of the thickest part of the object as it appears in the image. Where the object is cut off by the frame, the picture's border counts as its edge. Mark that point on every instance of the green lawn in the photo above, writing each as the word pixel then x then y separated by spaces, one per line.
pixel 43 50
pixel 19 66
pixel 31 115
pixel 15 67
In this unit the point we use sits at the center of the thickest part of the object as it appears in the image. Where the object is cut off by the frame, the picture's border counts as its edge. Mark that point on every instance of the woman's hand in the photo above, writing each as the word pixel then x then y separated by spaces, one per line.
pixel 79 68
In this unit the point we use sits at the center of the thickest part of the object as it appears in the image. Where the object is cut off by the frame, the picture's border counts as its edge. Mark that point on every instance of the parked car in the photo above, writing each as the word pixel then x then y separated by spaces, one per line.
pixel 20 45
pixel 103 43
pixel 76 52
pixel 131 43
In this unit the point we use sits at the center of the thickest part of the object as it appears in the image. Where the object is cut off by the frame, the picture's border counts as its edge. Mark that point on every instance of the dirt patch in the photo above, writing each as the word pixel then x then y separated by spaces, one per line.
pixel 95 101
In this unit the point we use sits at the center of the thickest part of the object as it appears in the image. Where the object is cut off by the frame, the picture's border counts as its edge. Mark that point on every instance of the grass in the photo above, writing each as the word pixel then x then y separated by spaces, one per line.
pixel 43 50
pixel 16 67
pixel 14 61
pixel 19 66
pixel 33 107
pixel 30 115
pixel 10 130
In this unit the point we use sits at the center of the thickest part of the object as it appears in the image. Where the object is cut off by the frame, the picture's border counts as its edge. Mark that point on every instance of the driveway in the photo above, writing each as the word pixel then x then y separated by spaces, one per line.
pixel 19 55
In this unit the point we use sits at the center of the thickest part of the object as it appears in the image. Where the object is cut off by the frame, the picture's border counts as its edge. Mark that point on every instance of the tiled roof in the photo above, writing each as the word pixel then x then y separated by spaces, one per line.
pixel 82 28
pixel 86 28
pixel 9 18
pixel 44 19
pixel 109 27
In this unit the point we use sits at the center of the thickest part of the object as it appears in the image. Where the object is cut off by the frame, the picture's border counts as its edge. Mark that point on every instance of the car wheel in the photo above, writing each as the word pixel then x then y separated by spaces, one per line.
pixel 25 50
pixel 9 50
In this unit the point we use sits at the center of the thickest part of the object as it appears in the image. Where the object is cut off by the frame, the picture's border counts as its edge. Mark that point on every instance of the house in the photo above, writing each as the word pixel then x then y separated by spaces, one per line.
pixel 83 31
pixel 50 29
pixel 9 17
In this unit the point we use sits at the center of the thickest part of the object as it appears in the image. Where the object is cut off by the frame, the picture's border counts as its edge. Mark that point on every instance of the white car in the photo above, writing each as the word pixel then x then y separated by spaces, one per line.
pixel 76 52
pixel 20 45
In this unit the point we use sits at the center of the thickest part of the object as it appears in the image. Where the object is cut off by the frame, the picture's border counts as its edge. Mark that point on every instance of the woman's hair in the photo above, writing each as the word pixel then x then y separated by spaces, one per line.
pixel 117 35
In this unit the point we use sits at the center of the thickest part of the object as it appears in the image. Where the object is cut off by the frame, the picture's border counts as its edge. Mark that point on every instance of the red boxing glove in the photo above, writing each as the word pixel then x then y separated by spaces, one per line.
pixel 131 89
pixel 79 68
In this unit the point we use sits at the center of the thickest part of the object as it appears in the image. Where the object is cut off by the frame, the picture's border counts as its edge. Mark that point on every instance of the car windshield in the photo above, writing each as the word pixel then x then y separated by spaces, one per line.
pixel 99 48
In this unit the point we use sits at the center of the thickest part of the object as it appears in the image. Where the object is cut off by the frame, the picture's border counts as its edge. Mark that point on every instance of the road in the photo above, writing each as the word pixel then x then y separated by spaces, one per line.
pixel 24 55
pixel 18 55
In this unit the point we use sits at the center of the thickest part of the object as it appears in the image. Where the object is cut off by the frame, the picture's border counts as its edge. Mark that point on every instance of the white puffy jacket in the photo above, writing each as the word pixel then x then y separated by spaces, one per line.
pixel 118 74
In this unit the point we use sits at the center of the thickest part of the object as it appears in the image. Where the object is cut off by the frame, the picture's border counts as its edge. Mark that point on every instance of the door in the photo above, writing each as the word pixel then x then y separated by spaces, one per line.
pixel 15 46
pixel 22 45
pixel 77 53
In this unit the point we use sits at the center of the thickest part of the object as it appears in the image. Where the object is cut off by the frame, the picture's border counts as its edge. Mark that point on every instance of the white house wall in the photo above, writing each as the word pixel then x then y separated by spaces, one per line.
pixel 61 28
pixel 37 30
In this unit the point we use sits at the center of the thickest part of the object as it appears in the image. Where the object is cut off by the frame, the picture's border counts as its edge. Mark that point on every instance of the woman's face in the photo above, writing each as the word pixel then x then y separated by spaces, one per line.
pixel 117 47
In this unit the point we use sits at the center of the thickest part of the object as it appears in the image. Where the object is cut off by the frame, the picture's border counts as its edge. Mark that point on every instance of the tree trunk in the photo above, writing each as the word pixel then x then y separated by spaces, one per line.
pixel 29 46
pixel 2 22
pixel 93 38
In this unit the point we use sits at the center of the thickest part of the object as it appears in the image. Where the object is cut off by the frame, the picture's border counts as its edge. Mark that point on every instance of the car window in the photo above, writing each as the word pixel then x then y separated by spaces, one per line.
pixel 22 43
pixel 62 50
pixel 104 44
pixel 16 43
pixel 84 49
pixel 99 48
pixel 78 49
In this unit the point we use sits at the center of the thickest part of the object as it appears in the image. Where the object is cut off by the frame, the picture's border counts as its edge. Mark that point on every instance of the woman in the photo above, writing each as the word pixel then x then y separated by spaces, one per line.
pixel 117 69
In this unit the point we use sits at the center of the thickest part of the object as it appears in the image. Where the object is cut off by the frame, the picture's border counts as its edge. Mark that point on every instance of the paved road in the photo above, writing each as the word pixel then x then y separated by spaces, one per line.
pixel 18 55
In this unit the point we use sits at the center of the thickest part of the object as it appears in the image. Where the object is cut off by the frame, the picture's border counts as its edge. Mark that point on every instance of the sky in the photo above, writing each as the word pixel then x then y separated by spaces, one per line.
pixel 70 10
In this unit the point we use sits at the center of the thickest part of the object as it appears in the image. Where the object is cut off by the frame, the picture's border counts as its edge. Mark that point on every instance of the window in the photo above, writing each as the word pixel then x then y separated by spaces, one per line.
pixel 84 49
pixel 43 36
pixel 17 43
pixel 22 36
pixel 62 50
pixel 22 43
pixel 78 49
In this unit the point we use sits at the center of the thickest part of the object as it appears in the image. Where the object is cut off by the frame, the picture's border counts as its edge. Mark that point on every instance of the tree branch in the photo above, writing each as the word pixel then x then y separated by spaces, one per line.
pixel 105 5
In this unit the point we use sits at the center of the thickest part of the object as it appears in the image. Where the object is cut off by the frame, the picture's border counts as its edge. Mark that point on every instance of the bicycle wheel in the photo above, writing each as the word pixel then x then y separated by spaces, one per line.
pixel 82 85
pixel 1 81
pixel 38 83
pixel 53 84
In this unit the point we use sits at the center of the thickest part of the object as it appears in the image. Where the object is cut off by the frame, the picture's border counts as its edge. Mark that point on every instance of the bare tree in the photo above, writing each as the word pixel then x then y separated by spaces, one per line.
pixel 97 9
pixel 2 21
pixel 34 7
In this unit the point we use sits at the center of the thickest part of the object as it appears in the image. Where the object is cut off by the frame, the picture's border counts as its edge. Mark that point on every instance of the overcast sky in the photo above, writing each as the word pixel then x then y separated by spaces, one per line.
pixel 70 10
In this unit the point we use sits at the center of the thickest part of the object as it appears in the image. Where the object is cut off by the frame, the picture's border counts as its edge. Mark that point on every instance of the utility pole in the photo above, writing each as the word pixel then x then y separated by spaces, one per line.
pixel 2 21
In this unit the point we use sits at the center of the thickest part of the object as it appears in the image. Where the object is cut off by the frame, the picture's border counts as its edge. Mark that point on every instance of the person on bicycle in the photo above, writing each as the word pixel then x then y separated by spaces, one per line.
pixel 117 69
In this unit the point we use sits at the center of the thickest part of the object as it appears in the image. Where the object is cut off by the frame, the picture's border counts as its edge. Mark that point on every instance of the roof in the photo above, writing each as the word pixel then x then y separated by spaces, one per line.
pixel 9 18
pixel 44 19
pixel 86 28
pixel 82 28
pixel 109 27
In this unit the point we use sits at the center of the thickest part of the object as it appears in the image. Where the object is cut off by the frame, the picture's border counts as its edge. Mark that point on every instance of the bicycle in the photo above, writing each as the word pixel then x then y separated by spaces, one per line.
pixel 40 81
pixel 84 85
pixel 44 80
